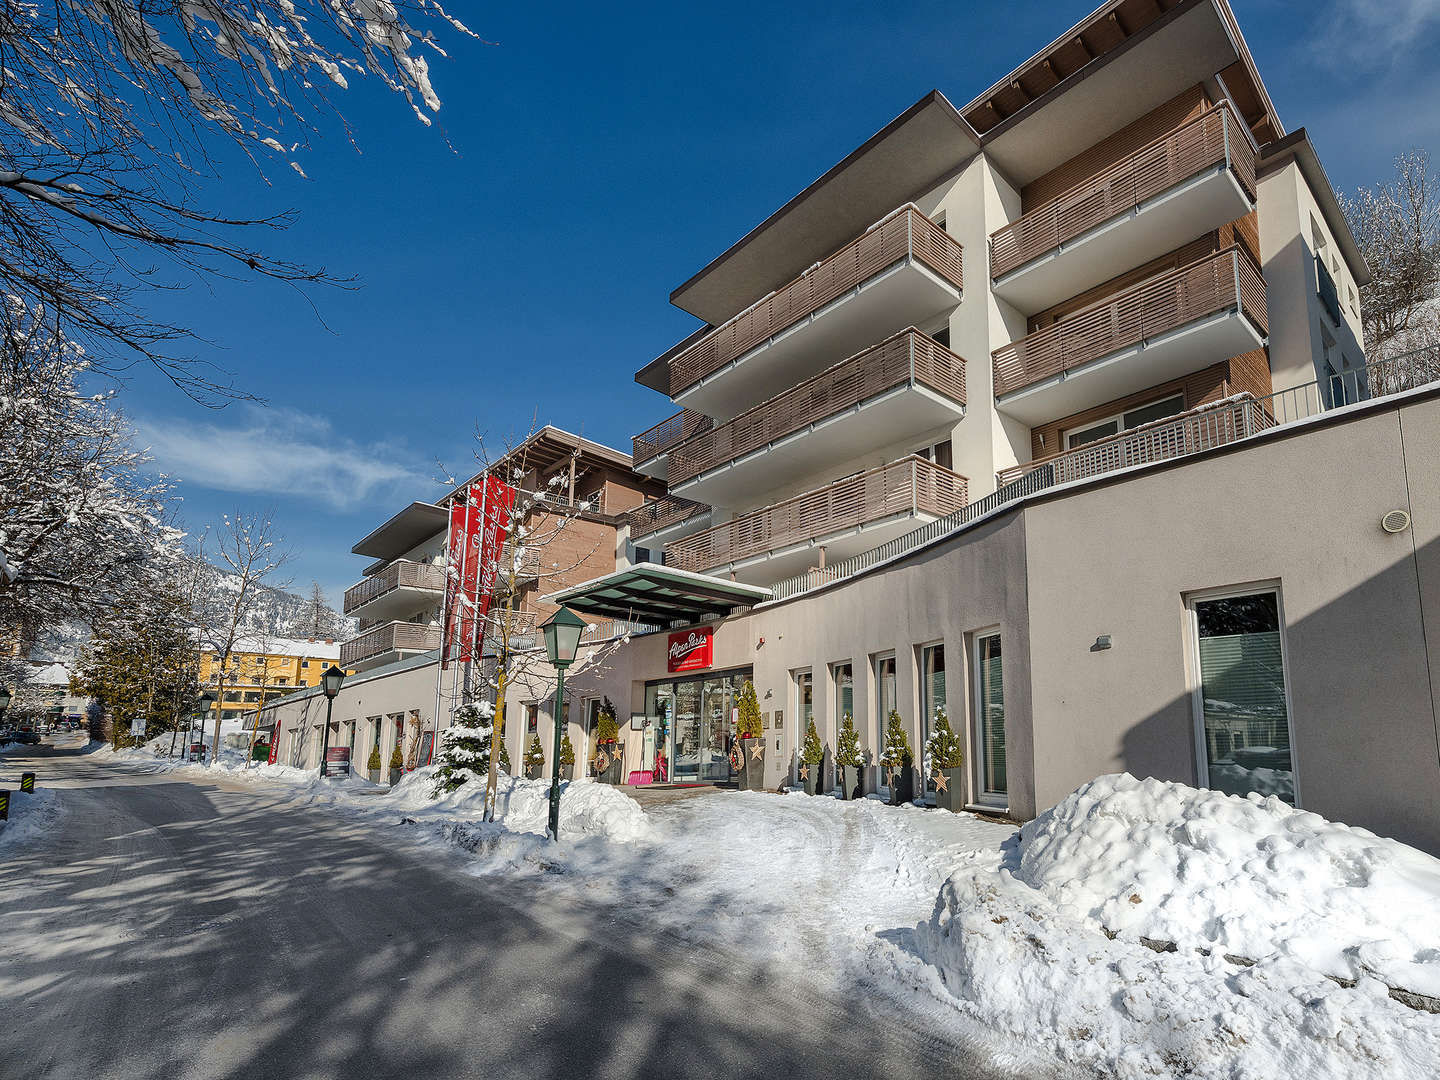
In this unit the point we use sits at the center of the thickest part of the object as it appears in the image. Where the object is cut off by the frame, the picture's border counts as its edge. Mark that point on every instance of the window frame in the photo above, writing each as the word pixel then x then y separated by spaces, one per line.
pixel 976 704
pixel 1119 420
pixel 882 715
pixel 1197 689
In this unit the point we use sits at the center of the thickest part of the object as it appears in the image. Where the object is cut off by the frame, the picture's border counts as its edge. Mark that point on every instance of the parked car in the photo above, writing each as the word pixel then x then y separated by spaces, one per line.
pixel 24 736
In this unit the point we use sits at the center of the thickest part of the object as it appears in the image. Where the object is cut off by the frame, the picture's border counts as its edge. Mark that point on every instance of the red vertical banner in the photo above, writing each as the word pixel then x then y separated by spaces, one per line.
pixel 470 570
pixel 461 571
pixel 499 502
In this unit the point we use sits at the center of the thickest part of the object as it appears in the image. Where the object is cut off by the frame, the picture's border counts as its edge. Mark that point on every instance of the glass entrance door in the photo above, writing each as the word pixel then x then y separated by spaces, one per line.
pixel 687 732
pixel 715 752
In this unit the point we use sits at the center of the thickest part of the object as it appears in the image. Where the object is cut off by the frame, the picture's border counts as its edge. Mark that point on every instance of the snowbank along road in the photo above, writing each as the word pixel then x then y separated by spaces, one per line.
pixel 182 925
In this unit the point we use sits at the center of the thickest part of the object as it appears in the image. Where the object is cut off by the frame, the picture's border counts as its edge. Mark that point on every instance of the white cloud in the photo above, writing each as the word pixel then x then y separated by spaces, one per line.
pixel 280 452
pixel 1367 34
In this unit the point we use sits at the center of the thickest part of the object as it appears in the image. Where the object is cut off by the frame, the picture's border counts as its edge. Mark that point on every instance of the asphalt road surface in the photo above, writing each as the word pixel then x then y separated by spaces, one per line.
pixel 164 928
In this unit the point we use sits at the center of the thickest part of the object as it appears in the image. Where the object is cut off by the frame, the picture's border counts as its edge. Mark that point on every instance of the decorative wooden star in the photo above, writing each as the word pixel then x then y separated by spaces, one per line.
pixel 601 761
pixel 941 780
pixel 805 771
pixel 890 777
pixel 756 750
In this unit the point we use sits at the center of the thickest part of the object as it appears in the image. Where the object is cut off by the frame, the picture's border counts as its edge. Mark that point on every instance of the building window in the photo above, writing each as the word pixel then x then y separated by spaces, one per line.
pixel 804 702
pixel 1241 702
pixel 843 679
pixel 884 667
pixel 1125 421
pixel 990 719
pixel 532 717
pixel 932 692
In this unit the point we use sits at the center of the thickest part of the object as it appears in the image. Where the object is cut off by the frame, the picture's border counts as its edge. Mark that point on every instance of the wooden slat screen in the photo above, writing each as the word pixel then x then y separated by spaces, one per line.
pixel 670 431
pixel 1200 144
pixel 905 357
pixel 906 232
pixel 911 484
pixel 662 513
pixel 400 573
pixel 1142 311
pixel 417 637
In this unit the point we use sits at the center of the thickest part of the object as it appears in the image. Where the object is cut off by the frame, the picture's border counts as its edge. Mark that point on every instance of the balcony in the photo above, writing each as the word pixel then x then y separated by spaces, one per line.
pixel 904 271
pixel 527 568
pixel 1158 330
pixel 649 448
pixel 387 643
pixel 1179 187
pixel 660 518
pixel 845 517
pixel 903 387
pixel 396 591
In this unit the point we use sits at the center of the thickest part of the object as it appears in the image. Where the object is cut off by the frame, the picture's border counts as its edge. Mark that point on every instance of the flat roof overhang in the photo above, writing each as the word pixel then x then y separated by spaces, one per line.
pixel 1183 48
pixel 908 156
pixel 1297 147
pixel 415 524
pixel 658 594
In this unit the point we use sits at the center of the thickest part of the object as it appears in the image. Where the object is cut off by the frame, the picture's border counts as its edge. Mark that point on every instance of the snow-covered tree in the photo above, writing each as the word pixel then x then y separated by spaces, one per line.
pixel 814 751
pixel 252 552
pixel 535 754
pixel 847 745
pixel 943 749
pixel 464 753
pixel 896 753
pixel 1397 227
pixel 80 520
pixel 750 725
pixel 107 119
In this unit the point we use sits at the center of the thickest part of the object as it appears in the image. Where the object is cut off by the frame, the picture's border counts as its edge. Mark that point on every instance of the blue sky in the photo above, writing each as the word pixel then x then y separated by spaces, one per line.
pixel 515 258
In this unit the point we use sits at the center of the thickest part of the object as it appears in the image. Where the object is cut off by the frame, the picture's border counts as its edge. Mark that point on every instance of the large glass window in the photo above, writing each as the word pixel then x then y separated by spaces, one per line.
pixel 843 676
pixel 884 696
pixel 1245 721
pixel 804 701
pixel 990 717
pixel 932 693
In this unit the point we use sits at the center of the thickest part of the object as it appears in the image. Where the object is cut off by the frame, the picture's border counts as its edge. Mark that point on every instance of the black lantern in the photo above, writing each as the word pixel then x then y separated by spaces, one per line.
pixel 562 637
pixel 332 679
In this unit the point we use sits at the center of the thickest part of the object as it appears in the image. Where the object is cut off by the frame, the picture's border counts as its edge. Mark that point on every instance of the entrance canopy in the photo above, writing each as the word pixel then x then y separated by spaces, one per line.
pixel 659 594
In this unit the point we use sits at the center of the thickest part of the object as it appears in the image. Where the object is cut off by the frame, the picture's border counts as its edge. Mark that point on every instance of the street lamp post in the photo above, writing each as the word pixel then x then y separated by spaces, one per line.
pixel 331 680
pixel 203 708
pixel 562 641
pixel 4 700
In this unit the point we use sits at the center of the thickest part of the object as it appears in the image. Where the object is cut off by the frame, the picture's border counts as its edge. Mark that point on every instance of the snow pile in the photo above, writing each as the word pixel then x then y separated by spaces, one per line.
pixel 30 815
pixel 523 806
pixel 1253 877
pixel 1024 946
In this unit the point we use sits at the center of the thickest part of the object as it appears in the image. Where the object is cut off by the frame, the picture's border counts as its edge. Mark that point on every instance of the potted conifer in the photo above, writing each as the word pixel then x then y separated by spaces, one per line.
pixel 397 765
pixel 944 757
pixel 849 759
pixel 811 758
pixel 567 758
pixel 534 759
pixel 898 761
pixel 372 764
pixel 608 763
pixel 752 742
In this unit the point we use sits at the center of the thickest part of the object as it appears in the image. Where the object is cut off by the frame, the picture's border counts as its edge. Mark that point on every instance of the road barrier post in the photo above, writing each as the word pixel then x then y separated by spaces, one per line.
pixel 4 805
pixel 27 783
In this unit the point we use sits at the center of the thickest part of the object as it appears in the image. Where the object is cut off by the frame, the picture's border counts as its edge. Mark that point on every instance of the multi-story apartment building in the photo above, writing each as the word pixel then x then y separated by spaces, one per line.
pixel 1117 233
pixel 399 603
pixel 260 670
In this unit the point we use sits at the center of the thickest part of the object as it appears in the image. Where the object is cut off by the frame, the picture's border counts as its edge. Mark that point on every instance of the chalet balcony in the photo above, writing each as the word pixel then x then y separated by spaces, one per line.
pixel 398 590
pixel 527 568
pixel 649 448
pixel 907 385
pixel 1144 335
pixel 903 271
pixel 842 518
pixel 1179 187
pixel 667 518
pixel 387 643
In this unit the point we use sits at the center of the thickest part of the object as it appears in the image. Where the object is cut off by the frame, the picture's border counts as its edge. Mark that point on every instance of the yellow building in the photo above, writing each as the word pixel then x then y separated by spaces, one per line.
pixel 262 670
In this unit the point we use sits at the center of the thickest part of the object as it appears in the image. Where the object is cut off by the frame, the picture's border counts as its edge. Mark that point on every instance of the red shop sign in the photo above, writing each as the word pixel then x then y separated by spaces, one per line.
pixel 691 650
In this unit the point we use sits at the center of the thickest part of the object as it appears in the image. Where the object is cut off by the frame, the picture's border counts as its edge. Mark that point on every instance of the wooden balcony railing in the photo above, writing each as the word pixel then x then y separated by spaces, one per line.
pixel 908 356
pixel 1199 429
pixel 662 513
pixel 910 485
pixel 387 637
pixel 400 574
pixel 1211 139
pixel 1228 280
pixel 671 431
pixel 905 233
